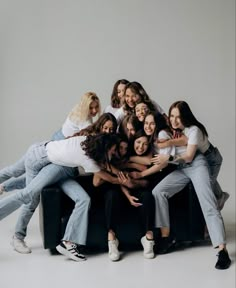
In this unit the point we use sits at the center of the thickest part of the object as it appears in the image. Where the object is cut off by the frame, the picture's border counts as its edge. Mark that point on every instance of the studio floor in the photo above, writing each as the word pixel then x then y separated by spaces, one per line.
pixel 189 266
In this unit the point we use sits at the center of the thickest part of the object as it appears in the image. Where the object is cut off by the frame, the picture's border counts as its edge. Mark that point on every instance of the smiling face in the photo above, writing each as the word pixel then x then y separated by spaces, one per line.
pixel 149 125
pixel 141 145
pixel 107 127
pixel 121 91
pixel 131 98
pixel 93 108
pixel 175 120
pixel 141 110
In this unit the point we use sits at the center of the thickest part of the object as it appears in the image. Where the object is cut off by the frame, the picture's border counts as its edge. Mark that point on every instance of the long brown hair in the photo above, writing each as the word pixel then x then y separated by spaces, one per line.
pixel 186 116
pixel 97 126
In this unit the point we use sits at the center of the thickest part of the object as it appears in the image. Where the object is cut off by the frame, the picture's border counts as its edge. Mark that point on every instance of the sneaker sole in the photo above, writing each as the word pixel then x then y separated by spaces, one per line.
pixel 66 253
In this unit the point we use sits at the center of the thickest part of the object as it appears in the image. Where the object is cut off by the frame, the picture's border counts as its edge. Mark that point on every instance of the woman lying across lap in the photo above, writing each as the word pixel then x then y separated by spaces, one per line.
pixel 80 116
pixel 46 163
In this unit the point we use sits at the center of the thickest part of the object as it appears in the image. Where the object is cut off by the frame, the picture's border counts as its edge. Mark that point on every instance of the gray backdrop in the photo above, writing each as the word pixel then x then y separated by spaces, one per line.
pixel 52 51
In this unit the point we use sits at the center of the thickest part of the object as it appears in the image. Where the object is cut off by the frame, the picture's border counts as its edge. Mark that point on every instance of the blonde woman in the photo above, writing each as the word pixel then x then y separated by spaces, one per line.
pixel 79 118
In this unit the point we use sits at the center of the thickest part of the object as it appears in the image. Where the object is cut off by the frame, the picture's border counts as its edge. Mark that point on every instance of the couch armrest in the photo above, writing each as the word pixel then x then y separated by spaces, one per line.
pixel 50 216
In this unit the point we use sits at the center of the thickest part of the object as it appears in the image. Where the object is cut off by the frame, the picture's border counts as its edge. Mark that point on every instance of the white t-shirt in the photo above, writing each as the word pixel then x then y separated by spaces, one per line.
pixel 195 137
pixel 110 109
pixel 120 114
pixel 69 128
pixel 168 150
pixel 68 152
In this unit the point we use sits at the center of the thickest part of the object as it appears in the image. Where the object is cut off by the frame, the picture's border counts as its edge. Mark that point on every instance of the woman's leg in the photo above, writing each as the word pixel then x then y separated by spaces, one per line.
pixel 48 175
pixel 199 174
pixel 112 205
pixel 77 226
pixel 168 187
pixel 147 218
pixel 14 183
pixel 14 170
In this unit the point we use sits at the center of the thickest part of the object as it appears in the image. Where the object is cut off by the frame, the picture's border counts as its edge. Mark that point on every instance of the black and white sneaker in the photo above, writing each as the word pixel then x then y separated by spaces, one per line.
pixel 70 250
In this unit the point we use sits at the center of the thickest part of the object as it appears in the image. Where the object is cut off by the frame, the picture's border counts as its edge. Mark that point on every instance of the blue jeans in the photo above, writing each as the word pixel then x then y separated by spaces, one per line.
pixel 214 160
pixel 198 172
pixel 40 173
pixel 13 176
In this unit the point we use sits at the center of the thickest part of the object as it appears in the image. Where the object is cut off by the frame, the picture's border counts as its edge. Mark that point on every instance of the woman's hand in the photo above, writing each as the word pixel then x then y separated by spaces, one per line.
pixel 160 159
pixel 134 201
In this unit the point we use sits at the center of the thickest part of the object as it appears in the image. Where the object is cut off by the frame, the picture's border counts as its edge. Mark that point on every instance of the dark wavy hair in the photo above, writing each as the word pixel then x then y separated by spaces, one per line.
pixel 96 127
pixel 96 146
pixel 186 116
pixel 130 118
pixel 119 160
pixel 115 100
pixel 138 89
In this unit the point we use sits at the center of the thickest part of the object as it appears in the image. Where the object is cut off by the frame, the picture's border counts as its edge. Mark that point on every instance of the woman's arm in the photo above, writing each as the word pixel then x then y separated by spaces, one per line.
pixel 102 176
pixel 139 167
pixel 181 141
pixel 133 200
pixel 145 160
pixel 186 157
pixel 149 171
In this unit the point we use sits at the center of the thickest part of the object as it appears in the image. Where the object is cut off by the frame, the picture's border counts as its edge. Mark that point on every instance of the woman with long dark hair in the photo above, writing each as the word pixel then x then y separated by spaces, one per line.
pixel 192 167
pixel 49 162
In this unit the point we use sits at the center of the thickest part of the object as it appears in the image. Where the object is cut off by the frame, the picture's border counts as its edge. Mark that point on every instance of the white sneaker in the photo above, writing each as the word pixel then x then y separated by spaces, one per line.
pixel 222 200
pixel 113 252
pixel 20 246
pixel 2 190
pixel 148 248
pixel 70 250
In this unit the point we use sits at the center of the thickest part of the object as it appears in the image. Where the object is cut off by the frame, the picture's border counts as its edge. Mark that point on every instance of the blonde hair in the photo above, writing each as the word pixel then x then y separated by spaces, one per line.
pixel 81 111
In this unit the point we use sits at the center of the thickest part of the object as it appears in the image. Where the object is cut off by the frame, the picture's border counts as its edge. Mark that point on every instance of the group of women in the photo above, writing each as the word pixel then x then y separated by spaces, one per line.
pixel 133 147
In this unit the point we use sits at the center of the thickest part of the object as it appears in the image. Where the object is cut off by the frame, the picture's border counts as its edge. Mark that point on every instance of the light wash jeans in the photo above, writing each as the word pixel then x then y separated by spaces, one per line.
pixel 214 160
pixel 13 176
pixel 197 172
pixel 40 173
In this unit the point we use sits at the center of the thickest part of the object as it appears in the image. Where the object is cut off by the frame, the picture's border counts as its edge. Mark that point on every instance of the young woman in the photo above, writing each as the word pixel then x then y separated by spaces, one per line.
pixel 142 108
pixel 106 123
pixel 141 198
pixel 213 157
pixel 112 195
pixel 155 127
pixel 91 105
pixel 49 162
pixel 117 96
pixel 80 117
pixel 134 93
pixel 129 125
pixel 192 167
